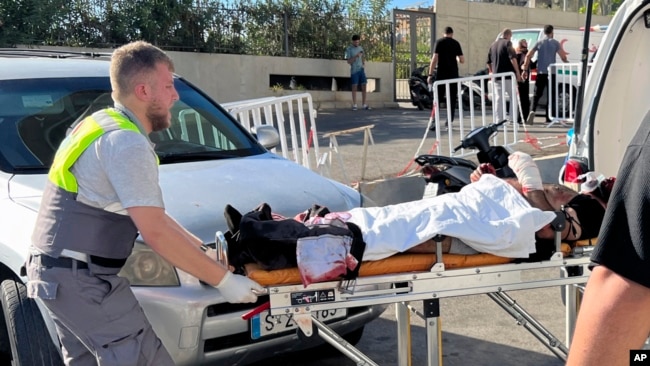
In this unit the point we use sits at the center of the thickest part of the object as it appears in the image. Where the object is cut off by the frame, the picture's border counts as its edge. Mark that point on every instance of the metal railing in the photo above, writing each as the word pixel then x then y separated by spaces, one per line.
pixel 474 106
pixel 298 140
pixel 563 91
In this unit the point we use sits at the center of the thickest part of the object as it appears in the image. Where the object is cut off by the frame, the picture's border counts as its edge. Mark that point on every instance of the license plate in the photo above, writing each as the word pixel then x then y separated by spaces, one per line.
pixel 264 324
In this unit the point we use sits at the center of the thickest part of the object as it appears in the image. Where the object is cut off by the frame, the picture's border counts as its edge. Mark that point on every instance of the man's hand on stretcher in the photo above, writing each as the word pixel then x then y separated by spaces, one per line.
pixel 236 288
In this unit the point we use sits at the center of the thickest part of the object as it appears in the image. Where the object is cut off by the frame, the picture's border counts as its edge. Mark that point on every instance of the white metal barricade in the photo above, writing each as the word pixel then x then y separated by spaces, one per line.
pixel 298 141
pixel 563 91
pixel 475 97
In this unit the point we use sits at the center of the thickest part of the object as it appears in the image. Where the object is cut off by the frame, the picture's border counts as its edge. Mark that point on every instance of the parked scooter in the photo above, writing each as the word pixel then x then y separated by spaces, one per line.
pixel 421 95
pixel 451 174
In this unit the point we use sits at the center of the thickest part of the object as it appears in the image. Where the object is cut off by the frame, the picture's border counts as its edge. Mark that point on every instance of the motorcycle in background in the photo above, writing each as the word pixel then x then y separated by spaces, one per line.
pixel 421 95
pixel 451 174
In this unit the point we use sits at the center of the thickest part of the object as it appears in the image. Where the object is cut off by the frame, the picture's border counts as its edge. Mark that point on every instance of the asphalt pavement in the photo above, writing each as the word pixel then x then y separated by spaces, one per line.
pixel 400 134
pixel 475 330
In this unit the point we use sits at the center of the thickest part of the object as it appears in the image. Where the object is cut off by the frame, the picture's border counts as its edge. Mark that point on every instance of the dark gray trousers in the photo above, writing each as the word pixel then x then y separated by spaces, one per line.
pixel 98 319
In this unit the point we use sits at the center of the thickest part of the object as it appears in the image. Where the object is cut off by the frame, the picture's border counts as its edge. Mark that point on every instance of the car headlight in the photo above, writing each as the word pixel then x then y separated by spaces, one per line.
pixel 144 267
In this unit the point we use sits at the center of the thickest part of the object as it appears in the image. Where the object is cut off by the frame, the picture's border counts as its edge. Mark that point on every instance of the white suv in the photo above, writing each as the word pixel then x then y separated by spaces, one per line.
pixel 207 160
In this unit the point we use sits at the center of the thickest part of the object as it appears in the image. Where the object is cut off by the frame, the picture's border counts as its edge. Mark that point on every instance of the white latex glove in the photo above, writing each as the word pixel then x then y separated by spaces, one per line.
pixel 238 288
pixel 526 170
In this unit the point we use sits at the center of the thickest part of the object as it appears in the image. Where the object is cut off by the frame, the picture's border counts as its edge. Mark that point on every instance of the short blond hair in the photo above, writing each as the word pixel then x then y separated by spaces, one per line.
pixel 132 63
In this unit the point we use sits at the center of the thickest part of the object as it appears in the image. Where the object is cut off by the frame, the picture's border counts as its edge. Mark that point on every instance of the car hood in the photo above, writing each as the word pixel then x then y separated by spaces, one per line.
pixel 196 193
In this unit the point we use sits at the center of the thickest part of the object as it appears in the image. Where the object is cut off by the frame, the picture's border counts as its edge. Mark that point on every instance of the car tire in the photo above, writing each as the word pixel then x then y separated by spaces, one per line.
pixel 23 320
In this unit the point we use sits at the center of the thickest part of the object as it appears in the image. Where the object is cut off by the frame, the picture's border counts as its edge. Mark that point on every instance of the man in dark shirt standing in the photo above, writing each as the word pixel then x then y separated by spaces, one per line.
pixel 503 58
pixel 447 53
pixel 546 50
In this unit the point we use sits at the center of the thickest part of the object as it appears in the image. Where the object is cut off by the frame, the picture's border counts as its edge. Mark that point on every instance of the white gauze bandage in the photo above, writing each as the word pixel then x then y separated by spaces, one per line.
pixel 526 170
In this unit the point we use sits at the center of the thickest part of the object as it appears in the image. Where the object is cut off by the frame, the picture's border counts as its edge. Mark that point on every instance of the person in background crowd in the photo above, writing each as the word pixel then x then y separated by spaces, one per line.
pixel 447 53
pixel 356 59
pixel 523 85
pixel 502 58
pixel 546 49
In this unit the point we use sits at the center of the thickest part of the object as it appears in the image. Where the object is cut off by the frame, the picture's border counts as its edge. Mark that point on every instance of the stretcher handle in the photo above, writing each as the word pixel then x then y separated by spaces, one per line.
pixel 257 310
pixel 221 245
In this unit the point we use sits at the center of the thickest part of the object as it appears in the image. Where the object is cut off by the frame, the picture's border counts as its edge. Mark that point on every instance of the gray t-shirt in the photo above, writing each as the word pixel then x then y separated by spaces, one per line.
pixel 117 171
pixel 357 64
pixel 546 49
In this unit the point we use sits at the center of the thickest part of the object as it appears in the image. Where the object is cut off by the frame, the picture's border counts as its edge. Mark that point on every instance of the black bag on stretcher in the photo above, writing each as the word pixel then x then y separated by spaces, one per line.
pixel 271 241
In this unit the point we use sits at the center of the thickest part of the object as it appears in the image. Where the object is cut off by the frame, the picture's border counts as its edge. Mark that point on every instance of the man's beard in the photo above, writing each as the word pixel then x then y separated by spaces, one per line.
pixel 158 117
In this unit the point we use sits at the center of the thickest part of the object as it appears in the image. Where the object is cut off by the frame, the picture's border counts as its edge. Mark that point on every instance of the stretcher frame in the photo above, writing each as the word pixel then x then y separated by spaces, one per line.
pixel 429 287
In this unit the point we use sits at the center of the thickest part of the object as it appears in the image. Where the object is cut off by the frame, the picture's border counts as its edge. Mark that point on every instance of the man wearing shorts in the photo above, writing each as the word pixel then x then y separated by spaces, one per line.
pixel 355 58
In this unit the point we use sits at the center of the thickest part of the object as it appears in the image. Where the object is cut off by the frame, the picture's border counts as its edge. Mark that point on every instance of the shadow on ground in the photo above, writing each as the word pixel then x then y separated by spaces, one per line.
pixel 458 350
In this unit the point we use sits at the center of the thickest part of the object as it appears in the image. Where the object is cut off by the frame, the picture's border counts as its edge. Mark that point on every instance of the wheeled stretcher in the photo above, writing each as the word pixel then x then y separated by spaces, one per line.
pixel 406 277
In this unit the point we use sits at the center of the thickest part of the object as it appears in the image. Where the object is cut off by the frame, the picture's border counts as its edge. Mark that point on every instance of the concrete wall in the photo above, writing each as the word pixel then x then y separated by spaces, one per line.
pixel 229 78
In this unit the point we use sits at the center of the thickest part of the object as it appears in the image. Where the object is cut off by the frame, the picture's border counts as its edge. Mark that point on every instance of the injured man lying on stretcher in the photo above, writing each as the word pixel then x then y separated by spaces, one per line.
pixel 490 215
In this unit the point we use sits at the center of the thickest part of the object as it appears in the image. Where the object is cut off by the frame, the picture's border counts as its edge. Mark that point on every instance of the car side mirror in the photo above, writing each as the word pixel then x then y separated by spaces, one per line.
pixel 267 136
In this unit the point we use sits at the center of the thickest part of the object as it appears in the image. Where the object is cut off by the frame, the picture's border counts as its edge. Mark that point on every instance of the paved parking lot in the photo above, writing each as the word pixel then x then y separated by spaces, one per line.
pixel 398 133
pixel 476 331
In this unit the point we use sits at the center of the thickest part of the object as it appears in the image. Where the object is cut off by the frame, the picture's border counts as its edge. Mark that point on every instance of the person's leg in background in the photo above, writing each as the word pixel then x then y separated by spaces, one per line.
pixel 453 90
pixel 442 95
pixel 498 101
pixel 354 82
pixel 363 81
pixel 512 98
pixel 540 88
pixel 550 83
pixel 524 98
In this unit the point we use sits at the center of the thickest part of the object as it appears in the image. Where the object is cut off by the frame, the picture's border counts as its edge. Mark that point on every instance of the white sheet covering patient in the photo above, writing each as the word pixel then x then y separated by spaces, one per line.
pixel 490 216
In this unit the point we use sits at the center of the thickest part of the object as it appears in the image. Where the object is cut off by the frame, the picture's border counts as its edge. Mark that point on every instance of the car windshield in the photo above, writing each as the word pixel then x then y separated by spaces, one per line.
pixel 36 114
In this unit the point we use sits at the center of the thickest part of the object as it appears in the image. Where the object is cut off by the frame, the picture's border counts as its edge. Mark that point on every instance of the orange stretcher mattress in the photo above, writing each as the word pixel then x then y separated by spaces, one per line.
pixel 399 263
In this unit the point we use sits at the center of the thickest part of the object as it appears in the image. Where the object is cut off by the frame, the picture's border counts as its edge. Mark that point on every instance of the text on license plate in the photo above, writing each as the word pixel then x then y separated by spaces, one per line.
pixel 265 324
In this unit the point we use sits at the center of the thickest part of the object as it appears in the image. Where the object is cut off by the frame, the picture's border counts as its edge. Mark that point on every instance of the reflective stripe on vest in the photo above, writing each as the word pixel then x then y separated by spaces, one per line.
pixel 65 223
pixel 87 131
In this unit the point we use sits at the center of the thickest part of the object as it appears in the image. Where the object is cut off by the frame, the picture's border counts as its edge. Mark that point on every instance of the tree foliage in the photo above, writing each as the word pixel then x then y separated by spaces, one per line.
pixel 297 28
pixel 602 7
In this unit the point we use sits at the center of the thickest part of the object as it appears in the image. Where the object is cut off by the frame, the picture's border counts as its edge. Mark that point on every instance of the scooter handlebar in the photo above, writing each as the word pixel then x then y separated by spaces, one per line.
pixel 475 137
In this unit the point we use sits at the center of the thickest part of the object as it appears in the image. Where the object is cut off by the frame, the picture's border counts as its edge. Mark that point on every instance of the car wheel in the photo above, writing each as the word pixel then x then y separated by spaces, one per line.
pixel 29 343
